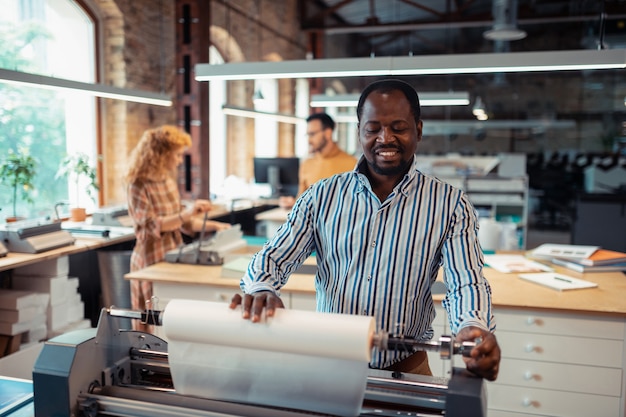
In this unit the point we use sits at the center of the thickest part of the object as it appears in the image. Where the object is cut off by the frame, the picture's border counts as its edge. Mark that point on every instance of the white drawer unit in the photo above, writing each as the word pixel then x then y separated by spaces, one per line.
pixel 540 402
pixel 557 364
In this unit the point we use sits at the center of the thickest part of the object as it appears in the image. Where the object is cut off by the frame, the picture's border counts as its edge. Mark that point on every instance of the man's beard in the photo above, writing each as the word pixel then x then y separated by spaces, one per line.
pixel 392 170
pixel 319 147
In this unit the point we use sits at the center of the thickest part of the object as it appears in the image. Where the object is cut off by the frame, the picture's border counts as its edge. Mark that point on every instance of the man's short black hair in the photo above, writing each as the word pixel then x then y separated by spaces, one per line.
pixel 386 86
pixel 326 120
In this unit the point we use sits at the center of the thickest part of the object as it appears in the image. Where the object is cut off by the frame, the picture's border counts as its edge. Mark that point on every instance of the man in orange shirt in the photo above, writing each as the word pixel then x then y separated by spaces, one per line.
pixel 326 160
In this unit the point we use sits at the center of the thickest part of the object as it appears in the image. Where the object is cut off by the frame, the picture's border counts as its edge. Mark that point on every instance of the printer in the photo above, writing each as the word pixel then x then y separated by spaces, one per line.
pixel 112 216
pixel 117 372
pixel 34 236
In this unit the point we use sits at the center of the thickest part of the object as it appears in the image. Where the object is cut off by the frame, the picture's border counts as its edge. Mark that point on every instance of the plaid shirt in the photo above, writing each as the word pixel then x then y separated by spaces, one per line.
pixel 148 202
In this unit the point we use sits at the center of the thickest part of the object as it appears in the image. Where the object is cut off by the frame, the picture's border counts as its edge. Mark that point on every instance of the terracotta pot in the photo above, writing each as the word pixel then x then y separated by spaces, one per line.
pixel 14 219
pixel 78 214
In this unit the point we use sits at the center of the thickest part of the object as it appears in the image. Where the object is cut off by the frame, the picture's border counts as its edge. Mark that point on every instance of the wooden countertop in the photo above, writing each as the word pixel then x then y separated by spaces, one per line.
pixel 609 298
pixel 82 244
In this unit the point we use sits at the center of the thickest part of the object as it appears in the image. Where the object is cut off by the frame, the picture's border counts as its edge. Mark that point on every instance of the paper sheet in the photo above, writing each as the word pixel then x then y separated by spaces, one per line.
pixel 296 359
pixel 558 282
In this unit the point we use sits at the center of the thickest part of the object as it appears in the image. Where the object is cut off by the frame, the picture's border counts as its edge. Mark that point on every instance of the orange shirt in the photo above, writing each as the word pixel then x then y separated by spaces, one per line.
pixel 319 167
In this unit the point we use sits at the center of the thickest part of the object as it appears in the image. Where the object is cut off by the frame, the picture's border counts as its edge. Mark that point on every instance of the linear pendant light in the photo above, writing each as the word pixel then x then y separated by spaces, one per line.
pixel 426 99
pixel 98 90
pixel 417 65
pixel 244 112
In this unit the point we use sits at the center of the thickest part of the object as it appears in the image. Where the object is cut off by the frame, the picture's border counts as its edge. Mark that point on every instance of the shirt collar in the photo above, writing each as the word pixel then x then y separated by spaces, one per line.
pixel 402 187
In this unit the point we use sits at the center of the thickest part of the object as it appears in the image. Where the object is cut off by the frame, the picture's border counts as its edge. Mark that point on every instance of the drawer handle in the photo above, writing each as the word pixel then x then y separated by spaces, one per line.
pixel 529 348
pixel 527 402
pixel 528 376
pixel 534 321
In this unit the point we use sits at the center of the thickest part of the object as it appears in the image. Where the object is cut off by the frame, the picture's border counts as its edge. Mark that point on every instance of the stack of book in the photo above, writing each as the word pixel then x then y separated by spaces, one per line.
pixel 581 258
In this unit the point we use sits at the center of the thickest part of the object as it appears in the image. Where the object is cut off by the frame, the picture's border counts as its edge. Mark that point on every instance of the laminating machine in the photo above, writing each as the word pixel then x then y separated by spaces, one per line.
pixel 114 372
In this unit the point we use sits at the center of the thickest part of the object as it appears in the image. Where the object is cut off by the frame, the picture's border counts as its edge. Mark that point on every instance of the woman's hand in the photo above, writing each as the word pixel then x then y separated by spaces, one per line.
pixel 201 206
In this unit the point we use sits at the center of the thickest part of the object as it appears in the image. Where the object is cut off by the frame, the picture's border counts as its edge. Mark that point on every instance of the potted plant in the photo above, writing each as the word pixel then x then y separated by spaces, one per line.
pixel 77 167
pixel 18 171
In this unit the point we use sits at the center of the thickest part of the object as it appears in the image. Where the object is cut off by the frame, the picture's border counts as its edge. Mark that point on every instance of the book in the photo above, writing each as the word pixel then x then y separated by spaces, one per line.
pixel 514 263
pixel 559 282
pixel 579 267
pixel 548 251
pixel 603 257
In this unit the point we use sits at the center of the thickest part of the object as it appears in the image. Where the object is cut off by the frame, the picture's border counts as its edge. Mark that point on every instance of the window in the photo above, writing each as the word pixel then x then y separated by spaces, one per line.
pixel 36 35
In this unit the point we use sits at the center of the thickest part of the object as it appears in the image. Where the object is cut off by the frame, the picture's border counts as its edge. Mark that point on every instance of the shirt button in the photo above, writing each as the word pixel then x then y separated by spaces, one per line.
pixel 373 244
pixel 369 277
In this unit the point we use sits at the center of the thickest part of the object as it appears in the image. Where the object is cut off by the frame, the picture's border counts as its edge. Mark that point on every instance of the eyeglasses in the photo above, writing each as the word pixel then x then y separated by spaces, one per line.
pixel 311 134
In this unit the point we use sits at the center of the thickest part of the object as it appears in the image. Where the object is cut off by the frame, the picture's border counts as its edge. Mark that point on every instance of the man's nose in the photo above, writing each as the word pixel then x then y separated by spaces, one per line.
pixel 385 136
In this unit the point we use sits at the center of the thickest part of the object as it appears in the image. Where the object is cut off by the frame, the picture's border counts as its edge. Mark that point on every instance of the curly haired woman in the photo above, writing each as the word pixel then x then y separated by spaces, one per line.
pixel 155 206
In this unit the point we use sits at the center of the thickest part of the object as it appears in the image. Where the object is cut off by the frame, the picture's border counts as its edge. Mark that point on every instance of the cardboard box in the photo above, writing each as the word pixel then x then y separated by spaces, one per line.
pixel 23 314
pixel 17 299
pixel 49 268
pixel 36 334
pixel 56 287
pixel 57 316
pixel 75 311
pixel 11 329
pixel 82 324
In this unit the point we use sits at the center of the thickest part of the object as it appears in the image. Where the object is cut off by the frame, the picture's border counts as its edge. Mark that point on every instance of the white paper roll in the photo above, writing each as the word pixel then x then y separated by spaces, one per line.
pixel 297 359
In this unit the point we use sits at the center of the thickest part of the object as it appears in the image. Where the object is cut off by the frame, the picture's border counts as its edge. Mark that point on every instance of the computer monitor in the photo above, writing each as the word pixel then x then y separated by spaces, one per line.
pixel 280 173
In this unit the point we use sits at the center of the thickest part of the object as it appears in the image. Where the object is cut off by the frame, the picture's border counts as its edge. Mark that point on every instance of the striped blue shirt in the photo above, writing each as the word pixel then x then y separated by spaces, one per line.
pixel 380 258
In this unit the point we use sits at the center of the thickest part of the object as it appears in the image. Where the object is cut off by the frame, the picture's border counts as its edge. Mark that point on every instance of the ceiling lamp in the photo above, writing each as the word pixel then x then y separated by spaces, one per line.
pixel 479 109
pixel 97 90
pixel 417 65
pixel 426 99
pixel 257 114
pixel 504 22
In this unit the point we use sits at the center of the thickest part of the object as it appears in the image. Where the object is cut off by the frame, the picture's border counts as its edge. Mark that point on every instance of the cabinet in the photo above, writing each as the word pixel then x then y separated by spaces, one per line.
pixel 502 198
pixel 558 365
pixel 561 365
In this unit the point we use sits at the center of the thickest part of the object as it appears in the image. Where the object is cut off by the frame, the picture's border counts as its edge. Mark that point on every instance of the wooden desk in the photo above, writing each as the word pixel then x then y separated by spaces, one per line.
pixel 563 353
pixel 82 244
pixel 508 290
pixel 83 264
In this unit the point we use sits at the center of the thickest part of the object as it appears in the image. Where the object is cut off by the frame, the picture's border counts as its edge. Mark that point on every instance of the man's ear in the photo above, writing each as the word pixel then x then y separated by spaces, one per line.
pixel 419 130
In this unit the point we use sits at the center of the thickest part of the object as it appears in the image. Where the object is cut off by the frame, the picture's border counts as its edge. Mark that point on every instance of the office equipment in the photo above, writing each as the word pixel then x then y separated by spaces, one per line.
pixel 112 216
pixel 280 173
pixel 112 371
pixel 34 236
pixel 209 251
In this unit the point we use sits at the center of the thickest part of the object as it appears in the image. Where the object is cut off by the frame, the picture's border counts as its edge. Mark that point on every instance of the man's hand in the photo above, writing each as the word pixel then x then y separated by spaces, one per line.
pixel 252 305
pixel 484 359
